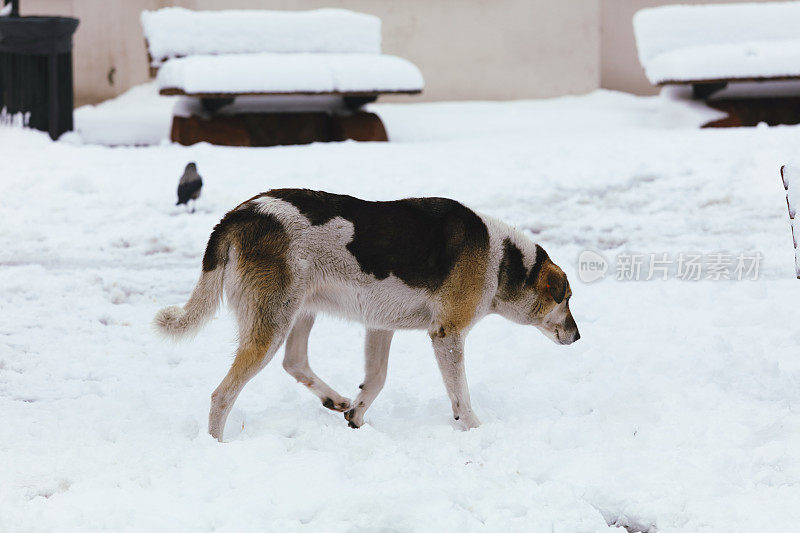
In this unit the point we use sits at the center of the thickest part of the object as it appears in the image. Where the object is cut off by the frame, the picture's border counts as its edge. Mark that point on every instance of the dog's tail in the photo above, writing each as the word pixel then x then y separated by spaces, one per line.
pixel 178 322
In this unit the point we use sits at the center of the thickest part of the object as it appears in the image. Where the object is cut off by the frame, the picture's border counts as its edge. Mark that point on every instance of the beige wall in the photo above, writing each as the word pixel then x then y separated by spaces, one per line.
pixel 466 49
pixel 109 55
pixel 619 63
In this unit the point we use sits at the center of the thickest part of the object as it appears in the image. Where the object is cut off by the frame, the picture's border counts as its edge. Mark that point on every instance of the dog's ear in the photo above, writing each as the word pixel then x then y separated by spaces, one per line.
pixel 547 277
pixel 555 282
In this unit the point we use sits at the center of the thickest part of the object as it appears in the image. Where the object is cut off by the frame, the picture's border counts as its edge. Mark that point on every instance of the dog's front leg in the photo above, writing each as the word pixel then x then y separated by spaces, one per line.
pixel 376 354
pixel 449 351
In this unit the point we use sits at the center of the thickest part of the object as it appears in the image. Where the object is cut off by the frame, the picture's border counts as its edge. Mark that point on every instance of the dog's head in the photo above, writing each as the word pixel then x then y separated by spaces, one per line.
pixel 538 296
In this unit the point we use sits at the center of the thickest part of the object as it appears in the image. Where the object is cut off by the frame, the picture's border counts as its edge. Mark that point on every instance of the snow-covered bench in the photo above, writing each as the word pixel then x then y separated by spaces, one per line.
pixel 791 182
pixel 219 55
pixel 709 46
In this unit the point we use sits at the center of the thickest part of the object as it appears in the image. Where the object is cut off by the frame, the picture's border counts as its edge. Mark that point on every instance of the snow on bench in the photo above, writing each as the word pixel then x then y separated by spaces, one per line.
pixel 790 175
pixel 177 32
pixel 218 54
pixel 715 44
pixel 272 74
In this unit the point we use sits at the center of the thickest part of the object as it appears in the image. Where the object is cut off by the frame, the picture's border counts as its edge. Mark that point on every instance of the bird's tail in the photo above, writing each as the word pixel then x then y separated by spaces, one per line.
pixel 178 322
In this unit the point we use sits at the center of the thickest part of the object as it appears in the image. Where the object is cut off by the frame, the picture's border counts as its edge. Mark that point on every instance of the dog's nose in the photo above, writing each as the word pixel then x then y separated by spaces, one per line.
pixel 576 336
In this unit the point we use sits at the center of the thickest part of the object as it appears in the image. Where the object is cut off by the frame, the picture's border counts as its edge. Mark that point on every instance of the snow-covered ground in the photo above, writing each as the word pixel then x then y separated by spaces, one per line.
pixel 678 410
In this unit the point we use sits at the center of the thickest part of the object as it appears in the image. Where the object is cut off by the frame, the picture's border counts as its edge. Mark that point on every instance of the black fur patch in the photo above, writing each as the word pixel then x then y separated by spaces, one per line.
pixel 511 274
pixel 253 227
pixel 541 257
pixel 317 206
pixel 416 239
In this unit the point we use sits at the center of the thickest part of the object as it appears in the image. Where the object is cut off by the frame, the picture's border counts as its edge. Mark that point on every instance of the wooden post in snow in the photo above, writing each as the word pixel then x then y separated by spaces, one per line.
pixel 792 212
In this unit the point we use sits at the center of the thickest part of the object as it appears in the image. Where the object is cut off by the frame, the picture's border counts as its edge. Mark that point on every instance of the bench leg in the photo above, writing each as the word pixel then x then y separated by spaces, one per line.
pixel 271 129
pixel 701 91
pixel 215 104
pixel 358 126
pixel 354 103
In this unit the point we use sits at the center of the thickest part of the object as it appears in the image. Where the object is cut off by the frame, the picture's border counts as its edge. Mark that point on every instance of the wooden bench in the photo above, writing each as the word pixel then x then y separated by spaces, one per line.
pixel 327 61
pixel 710 47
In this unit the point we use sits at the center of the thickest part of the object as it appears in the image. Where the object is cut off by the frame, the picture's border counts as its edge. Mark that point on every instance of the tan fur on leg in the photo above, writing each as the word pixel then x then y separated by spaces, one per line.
pixel 250 358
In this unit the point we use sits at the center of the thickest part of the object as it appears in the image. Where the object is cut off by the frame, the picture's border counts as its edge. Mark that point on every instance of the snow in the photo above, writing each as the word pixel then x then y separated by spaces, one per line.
pixel 724 61
pixel 290 73
pixel 174 32
pixel 676 411
pixel 137 117
pixel 321 51
pixel 142 114
pixel 680 42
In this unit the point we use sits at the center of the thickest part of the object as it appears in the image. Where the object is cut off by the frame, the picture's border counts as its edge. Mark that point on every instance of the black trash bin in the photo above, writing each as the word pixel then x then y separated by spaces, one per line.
pixel 36 71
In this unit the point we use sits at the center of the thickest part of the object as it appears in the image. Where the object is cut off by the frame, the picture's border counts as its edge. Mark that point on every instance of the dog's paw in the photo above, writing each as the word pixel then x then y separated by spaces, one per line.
pixel 354 419
pixel 340 404
pixel 466 422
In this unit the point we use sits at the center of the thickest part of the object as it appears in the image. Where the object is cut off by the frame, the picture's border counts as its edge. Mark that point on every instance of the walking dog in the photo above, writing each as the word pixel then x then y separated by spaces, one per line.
pixel 419 263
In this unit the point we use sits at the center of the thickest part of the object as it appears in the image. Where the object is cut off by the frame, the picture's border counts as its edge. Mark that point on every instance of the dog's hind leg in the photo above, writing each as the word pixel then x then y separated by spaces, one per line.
pixel 296 364
pixel 256 349
pixel 376 353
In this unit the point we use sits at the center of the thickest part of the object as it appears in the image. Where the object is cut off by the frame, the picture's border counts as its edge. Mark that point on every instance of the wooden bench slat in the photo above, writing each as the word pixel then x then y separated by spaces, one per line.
pixel 173 91
pixel 727 80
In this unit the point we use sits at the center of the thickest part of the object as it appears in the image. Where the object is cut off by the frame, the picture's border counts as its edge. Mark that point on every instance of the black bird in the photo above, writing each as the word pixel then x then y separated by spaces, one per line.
pixel 189 186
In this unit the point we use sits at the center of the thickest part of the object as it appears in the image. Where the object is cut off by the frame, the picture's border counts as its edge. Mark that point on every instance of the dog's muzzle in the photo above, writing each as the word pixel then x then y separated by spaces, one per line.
pixel 568 337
